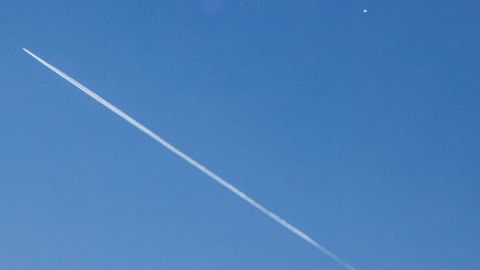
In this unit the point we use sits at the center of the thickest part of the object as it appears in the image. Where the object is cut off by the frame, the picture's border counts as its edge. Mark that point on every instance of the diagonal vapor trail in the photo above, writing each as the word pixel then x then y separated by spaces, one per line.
pixel 197 165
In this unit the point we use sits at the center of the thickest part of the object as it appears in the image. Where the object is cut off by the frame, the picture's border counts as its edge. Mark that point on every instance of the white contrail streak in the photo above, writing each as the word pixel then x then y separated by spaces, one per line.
pixel 195 164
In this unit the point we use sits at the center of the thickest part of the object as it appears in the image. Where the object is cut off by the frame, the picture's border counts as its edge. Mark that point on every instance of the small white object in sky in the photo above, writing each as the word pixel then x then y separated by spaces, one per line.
pixel 196 164
pixel 365 11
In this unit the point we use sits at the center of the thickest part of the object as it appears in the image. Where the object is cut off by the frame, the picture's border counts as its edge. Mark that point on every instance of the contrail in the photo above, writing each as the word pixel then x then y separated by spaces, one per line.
pixel 197 165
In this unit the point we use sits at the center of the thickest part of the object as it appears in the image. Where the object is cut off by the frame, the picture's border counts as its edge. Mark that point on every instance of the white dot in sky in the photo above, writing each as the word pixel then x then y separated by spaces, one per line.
pixel 365 11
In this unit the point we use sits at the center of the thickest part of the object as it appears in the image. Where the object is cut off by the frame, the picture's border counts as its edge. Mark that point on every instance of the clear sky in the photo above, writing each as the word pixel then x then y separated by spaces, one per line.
pixel 361 128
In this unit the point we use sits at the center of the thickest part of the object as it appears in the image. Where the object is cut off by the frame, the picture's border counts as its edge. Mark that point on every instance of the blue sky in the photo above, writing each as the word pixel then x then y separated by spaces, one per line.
pixel 360 129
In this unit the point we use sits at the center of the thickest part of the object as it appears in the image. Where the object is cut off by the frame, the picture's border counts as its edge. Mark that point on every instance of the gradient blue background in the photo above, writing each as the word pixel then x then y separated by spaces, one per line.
pixel 361 129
